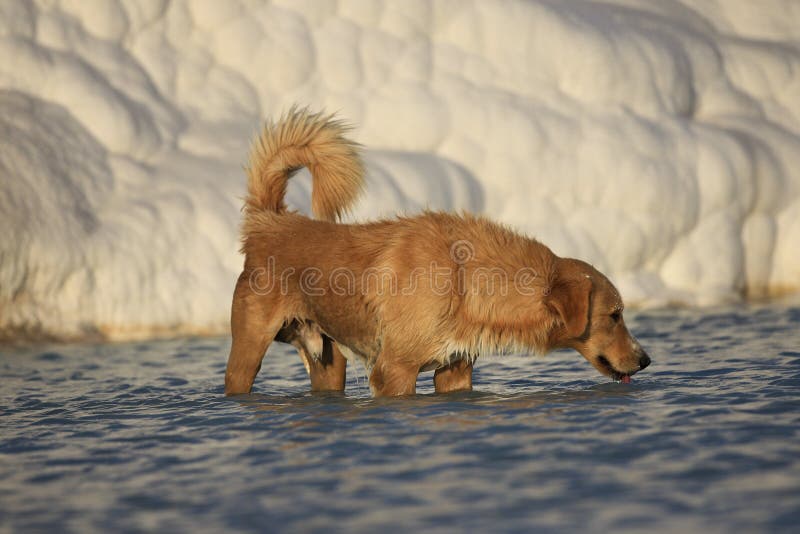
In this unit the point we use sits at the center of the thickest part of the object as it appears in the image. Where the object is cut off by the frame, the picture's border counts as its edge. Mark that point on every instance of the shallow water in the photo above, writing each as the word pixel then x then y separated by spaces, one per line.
pixel 139 437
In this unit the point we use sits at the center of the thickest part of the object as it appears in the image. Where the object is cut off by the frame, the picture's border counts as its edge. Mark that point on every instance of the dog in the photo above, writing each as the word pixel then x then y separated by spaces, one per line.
pixel 430 292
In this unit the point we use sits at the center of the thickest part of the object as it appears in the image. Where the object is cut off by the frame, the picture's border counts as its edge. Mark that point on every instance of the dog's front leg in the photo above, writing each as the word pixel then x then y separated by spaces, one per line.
pixel 454 377
pixel 389 378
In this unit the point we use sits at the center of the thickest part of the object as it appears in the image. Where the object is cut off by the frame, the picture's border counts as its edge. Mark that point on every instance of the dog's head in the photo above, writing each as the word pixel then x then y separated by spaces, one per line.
pixel 589 311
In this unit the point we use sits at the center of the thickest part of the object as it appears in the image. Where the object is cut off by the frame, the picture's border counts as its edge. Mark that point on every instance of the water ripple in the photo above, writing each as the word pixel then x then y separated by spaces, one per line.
pixel 139 437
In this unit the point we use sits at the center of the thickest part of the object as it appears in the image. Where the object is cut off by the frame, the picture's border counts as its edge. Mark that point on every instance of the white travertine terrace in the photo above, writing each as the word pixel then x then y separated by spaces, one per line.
pixel 658 139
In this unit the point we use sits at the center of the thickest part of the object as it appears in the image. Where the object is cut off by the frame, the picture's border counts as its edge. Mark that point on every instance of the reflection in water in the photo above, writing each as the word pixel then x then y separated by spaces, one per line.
pixel 139 436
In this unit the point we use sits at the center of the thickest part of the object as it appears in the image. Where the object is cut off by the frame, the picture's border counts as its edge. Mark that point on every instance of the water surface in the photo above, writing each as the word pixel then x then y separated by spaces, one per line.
pixel 130 437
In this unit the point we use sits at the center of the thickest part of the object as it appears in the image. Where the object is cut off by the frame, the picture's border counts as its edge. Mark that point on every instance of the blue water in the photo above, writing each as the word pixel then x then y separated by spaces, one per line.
pixel 132 437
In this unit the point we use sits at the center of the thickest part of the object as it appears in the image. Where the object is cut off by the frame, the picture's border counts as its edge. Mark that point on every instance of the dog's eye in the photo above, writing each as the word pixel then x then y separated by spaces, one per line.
pixel 616 316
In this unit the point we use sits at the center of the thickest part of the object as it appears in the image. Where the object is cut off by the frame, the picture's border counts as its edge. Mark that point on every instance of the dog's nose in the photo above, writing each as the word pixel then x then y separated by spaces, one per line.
pixel 644 360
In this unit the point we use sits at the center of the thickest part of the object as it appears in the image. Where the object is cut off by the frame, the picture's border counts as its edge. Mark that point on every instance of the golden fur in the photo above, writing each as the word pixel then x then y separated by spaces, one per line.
pixel 431 292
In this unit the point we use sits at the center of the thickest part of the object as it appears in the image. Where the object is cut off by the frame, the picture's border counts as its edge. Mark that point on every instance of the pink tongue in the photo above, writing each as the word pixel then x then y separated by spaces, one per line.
pixel 626 379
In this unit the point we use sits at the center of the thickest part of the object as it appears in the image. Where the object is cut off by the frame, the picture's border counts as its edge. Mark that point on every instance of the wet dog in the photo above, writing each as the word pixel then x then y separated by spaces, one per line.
pixel 431 292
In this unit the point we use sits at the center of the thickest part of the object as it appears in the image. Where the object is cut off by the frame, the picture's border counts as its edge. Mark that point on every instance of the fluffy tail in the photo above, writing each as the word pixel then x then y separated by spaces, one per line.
pixel 304 139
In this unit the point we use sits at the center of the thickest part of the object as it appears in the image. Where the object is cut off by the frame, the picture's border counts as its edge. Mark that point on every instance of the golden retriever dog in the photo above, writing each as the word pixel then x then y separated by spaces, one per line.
pixel 430 292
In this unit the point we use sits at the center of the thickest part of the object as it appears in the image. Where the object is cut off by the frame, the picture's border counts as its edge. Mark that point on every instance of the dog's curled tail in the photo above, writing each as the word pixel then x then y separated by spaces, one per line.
pixel 304 139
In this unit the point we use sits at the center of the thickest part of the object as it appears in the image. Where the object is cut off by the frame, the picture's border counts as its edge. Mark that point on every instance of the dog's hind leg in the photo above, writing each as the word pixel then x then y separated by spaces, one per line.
pixel 328 372
pixel 455 377
pixel 322 359
pixel 254 323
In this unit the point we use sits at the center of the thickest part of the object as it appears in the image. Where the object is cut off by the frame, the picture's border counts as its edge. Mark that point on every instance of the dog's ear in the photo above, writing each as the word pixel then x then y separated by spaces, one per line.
pixel 570 299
